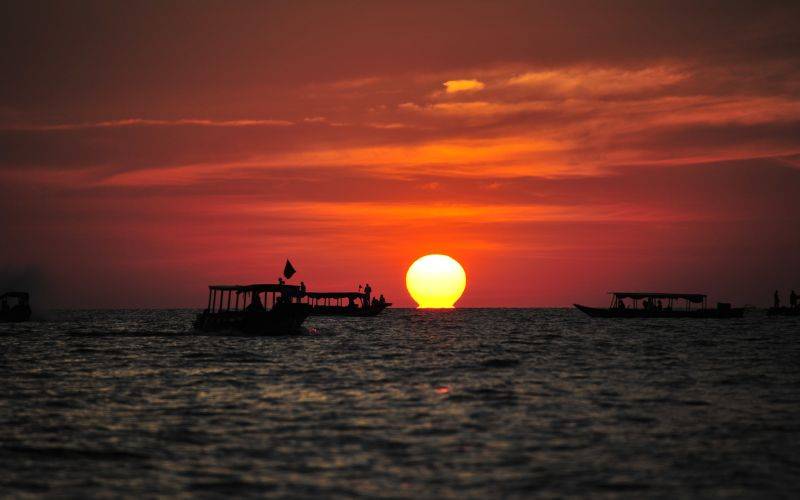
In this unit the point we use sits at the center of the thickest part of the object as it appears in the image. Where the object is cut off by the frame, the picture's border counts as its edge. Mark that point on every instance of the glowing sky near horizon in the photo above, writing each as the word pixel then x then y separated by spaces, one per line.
pixel 557 150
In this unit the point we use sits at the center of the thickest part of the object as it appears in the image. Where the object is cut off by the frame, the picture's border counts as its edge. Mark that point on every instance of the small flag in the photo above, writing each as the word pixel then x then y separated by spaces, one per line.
pixel 288 270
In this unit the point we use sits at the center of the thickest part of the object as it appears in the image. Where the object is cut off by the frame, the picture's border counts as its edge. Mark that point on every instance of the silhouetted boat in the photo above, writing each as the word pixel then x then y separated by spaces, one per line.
pixel 19 312
pixel 344 304
pixel 653 306
pixel 783 311
pixel 280 312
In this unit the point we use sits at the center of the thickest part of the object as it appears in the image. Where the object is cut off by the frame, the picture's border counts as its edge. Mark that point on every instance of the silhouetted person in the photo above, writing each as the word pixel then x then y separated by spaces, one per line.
pixel 660 305
pixel 777 300
pixel 793 299
pixel 367 291
pixel 302 289
pixel 256 305
pixel 382 300
pixel 620 304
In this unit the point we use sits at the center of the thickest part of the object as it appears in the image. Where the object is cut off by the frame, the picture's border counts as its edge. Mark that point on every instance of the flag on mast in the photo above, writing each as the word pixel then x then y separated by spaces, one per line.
pixel 288 270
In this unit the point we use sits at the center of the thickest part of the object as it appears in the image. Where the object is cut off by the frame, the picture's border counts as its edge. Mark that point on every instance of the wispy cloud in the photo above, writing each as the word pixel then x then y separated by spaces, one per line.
pixel 587 80
pixel 148 122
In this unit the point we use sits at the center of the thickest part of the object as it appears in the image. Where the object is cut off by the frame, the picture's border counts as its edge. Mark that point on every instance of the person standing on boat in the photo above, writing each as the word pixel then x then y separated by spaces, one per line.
pixel 256 304
pixel 367 292
pixel 302 289
pixel 777 299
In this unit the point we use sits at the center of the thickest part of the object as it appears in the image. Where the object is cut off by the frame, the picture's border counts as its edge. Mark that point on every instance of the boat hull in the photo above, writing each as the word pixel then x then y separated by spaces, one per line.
pixel 283 319
pixel 16 314
pixel 349 311
pixel 783 311
pixel 597 312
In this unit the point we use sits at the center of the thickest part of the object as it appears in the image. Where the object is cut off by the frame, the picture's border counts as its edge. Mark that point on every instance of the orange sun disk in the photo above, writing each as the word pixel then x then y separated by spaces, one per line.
pixel 436 281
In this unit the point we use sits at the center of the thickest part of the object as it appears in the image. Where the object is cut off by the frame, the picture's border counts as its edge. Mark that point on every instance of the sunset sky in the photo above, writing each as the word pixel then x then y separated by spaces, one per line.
pixel 558 150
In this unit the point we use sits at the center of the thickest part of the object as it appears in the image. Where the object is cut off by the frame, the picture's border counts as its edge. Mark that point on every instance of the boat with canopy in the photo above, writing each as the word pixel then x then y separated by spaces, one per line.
pixel 259 309
pixel 661 305
pixel 344 304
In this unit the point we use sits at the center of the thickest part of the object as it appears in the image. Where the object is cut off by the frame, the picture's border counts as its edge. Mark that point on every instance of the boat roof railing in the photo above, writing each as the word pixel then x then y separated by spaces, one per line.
pixel 18 295
pixel 258 288
pixel 335 295
pixel 691 297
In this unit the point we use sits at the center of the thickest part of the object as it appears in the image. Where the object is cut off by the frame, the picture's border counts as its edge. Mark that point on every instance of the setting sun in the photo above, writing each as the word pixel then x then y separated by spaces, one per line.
pixel 436 281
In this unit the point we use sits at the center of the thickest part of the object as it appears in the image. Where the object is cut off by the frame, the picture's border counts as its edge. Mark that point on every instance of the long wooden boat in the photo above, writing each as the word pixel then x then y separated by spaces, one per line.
pixel 344 304
pixel 678 305
pixel 17 313
pixel 783 311
pixel 240 309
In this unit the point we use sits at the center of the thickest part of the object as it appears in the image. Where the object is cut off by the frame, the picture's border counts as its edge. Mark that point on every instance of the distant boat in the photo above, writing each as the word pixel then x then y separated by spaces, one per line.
pixel 678 305
pixel 17 313
pixel 344 304
pixel 783 311
pixel 240 308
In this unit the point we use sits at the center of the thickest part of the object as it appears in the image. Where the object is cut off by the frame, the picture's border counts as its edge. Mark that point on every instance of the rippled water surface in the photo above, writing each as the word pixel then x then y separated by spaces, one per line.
pixel 463 403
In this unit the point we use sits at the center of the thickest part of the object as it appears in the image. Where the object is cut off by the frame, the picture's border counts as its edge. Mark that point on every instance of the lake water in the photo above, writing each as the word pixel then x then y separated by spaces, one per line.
pixel 411 404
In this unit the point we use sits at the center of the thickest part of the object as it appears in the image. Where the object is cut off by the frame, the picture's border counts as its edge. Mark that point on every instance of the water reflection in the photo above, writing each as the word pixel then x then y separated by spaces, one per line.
pixel 411 404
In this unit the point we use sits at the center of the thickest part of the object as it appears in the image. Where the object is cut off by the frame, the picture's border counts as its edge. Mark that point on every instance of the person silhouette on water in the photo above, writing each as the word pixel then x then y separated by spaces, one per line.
pixel 777 299
pixel 367 291
pixel 793 299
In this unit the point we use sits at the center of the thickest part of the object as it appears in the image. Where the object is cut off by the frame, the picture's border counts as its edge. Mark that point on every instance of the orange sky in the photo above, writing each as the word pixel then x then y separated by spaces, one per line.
pixel 558 150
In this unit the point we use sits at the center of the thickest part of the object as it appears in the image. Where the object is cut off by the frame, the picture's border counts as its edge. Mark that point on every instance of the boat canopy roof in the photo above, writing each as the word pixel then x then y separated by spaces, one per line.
pixel 691 297
pixel 257 288
pixel 335 295
pixel 18 295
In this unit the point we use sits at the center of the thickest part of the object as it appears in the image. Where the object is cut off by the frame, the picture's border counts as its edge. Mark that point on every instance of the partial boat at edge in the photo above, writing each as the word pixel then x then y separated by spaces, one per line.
pixel 19 312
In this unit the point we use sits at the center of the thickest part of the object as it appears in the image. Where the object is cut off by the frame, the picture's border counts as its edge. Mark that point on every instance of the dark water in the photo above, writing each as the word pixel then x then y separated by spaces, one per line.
pixel 465 403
